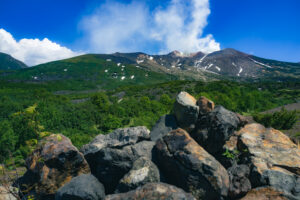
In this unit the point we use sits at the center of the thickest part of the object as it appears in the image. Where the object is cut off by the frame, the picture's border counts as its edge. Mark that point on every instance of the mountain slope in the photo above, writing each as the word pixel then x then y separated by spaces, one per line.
pixel 87 71
pixel 7 62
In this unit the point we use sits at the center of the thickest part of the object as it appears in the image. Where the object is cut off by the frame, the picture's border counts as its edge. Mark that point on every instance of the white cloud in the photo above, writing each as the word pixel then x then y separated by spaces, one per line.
pixel 33 51
pixel 133 27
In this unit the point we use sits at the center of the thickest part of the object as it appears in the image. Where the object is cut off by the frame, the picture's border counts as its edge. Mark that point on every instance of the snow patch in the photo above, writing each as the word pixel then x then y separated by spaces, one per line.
pixel 260 63
pixel 241 69
pixel 137 66
pixel 139 61
pixel 218 68
pixel 65 70
pixel 108 60
pixel 132 77
pixel 173 66
pixel 123 77
pixel 119 64
pixel 150 58
pixel 106 71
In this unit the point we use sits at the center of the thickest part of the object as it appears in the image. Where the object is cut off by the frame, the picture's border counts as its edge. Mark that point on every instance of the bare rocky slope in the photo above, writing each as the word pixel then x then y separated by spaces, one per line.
pixel 199 151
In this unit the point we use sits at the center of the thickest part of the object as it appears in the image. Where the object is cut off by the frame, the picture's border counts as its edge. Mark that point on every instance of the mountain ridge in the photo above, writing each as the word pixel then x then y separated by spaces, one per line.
pixel 7 62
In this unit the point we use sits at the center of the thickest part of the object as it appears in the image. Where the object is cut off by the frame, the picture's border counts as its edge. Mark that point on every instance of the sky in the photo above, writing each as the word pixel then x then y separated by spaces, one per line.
pixel 38 31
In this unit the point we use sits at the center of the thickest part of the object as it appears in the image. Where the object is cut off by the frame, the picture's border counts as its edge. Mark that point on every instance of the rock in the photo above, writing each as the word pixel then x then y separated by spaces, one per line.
pixel 52 164
pixel 187 165
pixel 186 111
pixel 163 126
pixel 244 120
pixel 239 182
pixel 153 191
pixel 213 130
pixel 7 193
pixel 143 171
pixel 112 156
pixel 273 157
pixel 85 186
pixel 267 193
pixel 205 105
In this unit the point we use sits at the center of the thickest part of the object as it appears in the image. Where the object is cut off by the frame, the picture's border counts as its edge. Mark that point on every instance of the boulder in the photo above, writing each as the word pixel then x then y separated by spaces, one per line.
pixel 205 105
pixel 85 187
pixel 239 182
pixel 143 171
pixel 273 157
pixel 112 156
pixel 8 193
pixel 214 129
pixel 267 193
pixel 153 191
pixel 52 164
pixel 186 111
pixel 163 126
pixel 187 165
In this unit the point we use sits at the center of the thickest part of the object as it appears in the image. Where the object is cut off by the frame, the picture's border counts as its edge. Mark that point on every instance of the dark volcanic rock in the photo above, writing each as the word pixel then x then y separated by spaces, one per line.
pixel 153 191
pixel 163 126
pixel 214 129
pixel 52 164
pixel 187 165
pixel 83 187
pixel 186 111
pixel 143 171
pixel 239 182
pixel 112 156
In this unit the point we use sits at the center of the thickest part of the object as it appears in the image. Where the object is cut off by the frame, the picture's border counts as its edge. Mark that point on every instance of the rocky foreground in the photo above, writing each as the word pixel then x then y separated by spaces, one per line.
pixel 198 152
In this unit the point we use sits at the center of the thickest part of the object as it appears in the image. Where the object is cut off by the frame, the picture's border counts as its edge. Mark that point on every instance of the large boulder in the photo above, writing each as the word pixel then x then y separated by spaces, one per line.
pixel 143 171
pixel 215 128
pixel 52 164
pixel 84 187
pixel 267 193
pixel 187 165
pixel 164 125
pixel 186 111
pixel 239 182
pixel 111 156
pixel 273 157
pixel 8 193
pixel 205 105
pixel 153 191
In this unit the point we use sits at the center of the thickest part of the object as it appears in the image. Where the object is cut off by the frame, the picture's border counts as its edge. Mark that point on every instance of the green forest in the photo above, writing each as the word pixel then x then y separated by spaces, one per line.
pixel 32 111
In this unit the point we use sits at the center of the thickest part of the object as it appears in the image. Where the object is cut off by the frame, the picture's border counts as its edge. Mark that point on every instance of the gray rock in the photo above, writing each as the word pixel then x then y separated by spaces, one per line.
pixel 153 191
pixel 187 165
pixel 214 129
pixel 143 171
pixel 163 126
pixel 239 182
pixel 186 111
pixel 85 187
pixel 112 156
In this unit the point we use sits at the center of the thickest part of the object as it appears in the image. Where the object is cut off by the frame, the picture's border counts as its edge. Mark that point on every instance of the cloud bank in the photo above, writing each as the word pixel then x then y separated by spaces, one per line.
pixel 133 27
pixel 33 51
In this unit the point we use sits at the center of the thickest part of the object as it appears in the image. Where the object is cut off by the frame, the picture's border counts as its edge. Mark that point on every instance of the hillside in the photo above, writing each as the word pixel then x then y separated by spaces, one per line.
pixel 7 62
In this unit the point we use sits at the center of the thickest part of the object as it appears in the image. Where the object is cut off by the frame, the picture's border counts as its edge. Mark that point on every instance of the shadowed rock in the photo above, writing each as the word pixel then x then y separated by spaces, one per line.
pixel 163 126
pixel 111 156
pixel 153 191
pixel 239 182
pixel 85 187
pixel 187 165
pixel 267 193
pixel 143 171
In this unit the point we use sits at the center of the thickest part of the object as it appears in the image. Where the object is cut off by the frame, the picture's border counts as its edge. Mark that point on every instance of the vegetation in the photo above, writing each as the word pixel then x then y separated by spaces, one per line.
pixel 282 120
pixel 30 111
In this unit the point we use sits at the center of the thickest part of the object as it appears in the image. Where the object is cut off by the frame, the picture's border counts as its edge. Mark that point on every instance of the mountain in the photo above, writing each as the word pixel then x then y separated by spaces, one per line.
pixel 119 69
pixel 7 62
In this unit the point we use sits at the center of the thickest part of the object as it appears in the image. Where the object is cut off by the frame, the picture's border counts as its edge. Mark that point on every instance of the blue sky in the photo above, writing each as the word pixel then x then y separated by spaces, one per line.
pixel 266 28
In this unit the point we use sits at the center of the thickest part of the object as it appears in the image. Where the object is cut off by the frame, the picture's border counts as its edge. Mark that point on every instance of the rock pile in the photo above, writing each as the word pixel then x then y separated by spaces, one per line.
pixel 200 151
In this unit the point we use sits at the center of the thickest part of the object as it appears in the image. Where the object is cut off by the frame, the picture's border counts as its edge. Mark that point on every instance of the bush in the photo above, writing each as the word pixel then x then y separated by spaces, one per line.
pixel 283 119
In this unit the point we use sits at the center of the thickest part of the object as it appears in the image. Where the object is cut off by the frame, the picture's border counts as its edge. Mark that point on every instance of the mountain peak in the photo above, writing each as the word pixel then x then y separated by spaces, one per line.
pixel 8 62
